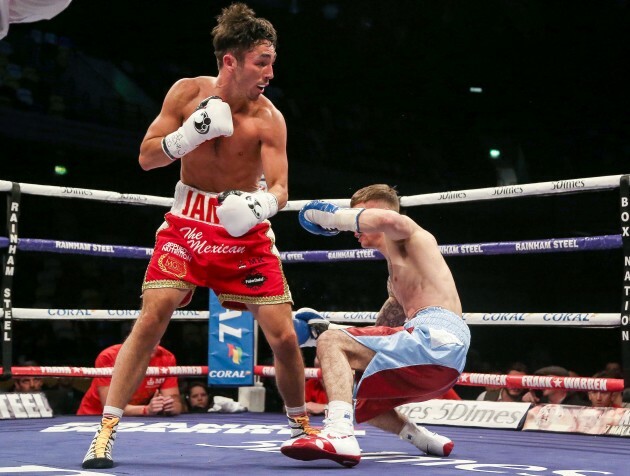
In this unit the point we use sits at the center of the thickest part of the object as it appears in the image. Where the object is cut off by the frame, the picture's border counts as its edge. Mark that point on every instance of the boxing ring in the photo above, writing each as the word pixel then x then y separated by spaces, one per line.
pixel 197 443
pixel 249 444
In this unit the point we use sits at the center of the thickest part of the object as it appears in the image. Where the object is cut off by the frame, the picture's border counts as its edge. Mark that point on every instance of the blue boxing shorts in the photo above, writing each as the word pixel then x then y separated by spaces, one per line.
pixel 413 363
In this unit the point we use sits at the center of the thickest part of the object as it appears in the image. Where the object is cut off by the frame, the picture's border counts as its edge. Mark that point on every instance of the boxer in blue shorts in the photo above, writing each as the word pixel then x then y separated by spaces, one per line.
pixel 395 365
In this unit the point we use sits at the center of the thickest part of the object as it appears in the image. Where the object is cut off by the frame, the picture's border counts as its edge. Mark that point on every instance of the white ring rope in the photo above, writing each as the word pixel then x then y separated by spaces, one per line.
pixel 511 191
pixel 564 319
pixel 490 193
pixel 87 194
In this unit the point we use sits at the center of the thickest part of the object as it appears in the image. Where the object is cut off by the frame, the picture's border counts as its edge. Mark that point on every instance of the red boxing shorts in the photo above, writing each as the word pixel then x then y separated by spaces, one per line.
pixel 413 363
pixel 193 249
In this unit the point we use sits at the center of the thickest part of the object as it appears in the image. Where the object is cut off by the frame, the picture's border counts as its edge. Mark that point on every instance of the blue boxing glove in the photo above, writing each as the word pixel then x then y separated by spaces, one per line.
pixel 309 224
pixel 317 324
pixel 327 219
pixel 240 211
pixel 310 324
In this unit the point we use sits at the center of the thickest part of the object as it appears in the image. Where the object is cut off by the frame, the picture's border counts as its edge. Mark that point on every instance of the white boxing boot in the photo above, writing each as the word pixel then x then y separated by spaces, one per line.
pixel 336 441
pixel 333 442
pixel 426 441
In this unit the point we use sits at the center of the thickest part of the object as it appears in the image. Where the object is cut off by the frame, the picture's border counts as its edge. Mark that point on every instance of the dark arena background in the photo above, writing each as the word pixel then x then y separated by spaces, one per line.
pixel 429 96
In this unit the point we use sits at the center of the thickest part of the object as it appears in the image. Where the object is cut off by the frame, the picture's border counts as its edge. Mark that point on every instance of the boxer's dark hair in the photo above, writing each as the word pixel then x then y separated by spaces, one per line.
pixel 379 191
pixel 238 30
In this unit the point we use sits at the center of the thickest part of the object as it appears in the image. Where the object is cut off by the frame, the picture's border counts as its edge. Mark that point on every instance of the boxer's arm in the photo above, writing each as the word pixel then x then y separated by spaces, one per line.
pixel 168 120
pixel 395 226
pixel 391 314
pixel 240 211
pixel 325 218
pixel 273 153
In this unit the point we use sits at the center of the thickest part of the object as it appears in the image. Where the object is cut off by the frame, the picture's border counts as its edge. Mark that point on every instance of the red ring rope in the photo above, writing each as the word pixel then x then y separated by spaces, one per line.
pixel 467 379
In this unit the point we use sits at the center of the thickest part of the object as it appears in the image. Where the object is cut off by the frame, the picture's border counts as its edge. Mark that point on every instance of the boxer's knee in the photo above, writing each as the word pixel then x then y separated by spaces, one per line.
pixel 283 342
pixel 158 306
pixel 148 329
pixel 333 343
pixel 330 350
pixel 330 340
pixel 150 325
pixel 277 325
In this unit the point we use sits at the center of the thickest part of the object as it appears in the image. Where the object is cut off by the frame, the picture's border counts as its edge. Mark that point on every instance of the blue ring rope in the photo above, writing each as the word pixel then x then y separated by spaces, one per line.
pixel 551 245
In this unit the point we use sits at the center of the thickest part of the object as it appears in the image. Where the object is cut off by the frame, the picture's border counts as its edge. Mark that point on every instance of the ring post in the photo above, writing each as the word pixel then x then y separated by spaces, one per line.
pixel 8 267
pixel 230 346
pixel 624 192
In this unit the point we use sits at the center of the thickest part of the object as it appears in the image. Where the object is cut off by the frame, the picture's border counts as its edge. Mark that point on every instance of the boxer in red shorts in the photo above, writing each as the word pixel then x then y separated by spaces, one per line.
pixel 193 249
pixel 225 134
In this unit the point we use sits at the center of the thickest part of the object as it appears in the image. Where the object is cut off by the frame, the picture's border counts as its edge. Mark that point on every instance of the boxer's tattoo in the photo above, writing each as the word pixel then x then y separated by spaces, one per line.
pixel 391 314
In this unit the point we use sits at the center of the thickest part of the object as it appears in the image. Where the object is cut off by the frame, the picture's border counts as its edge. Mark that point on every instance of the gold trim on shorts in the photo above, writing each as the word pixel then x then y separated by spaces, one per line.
pixel 286 297
pixel 167 283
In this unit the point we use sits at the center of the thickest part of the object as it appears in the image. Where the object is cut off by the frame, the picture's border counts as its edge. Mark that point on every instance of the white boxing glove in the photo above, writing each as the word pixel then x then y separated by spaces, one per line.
pixel 211 119
pixel 240 211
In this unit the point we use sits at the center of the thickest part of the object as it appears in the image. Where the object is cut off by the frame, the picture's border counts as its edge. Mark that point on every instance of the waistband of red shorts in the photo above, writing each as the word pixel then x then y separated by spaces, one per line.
pixel 195 204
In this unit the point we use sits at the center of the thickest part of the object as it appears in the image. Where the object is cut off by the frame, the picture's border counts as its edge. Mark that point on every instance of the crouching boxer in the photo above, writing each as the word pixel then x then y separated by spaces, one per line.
pixel 224 134
pixel 416 361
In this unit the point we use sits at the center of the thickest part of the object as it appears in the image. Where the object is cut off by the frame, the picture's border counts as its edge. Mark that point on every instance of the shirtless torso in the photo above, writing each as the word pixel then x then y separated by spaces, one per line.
pixel 420 278
pixel 418 275
pixel 227 162
pixel 257 145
